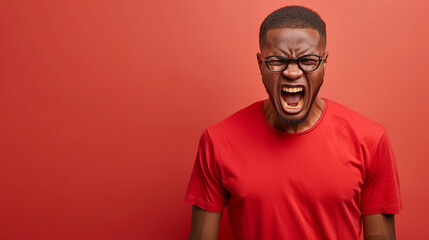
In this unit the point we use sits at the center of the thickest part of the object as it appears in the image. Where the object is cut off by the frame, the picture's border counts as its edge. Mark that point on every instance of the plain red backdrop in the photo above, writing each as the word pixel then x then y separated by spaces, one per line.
pixel 102 104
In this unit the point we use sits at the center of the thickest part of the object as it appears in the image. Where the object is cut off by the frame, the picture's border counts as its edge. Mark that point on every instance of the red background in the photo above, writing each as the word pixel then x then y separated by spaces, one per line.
pixel 102 104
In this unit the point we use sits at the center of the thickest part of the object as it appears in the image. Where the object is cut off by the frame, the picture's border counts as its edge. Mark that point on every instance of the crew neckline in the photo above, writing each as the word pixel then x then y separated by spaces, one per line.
pixel 261 111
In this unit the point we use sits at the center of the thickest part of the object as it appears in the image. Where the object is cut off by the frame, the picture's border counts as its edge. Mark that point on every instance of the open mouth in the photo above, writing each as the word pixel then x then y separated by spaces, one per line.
pixel 292 99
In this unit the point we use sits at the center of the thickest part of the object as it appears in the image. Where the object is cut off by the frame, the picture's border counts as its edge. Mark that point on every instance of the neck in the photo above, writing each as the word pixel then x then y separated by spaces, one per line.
pixel 314 115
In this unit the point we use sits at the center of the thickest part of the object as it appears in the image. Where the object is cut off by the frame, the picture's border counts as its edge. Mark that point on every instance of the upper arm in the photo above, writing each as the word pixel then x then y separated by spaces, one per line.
pixel 205 225
pixel 379 226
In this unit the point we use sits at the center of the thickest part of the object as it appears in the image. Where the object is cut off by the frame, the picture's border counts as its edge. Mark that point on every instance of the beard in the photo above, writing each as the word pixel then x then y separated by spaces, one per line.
pixel 293 121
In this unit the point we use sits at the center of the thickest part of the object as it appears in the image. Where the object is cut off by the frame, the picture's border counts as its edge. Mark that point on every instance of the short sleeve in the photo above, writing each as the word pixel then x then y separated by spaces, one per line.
pixel 205 190
pixel 380 193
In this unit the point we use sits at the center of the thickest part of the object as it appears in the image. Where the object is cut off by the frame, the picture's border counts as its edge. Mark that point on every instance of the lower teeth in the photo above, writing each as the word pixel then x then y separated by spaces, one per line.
pixel 285 104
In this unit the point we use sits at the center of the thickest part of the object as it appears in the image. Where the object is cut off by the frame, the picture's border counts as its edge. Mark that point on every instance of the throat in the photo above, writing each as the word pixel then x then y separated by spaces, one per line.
pixel 292 99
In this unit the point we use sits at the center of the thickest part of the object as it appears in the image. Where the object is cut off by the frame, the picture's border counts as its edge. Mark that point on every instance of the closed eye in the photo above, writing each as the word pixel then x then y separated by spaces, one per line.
pixel 276 62
pixel 308 61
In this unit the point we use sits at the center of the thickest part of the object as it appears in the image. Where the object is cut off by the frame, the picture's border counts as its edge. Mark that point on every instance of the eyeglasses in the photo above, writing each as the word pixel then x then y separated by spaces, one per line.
pixel 306 63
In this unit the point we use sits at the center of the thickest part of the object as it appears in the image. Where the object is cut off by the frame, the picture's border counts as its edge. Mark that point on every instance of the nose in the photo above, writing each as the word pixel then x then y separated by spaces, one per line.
pixel 292 71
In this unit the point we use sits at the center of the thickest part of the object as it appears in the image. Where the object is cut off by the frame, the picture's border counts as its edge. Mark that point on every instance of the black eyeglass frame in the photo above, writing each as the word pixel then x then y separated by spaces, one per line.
pixel 288 60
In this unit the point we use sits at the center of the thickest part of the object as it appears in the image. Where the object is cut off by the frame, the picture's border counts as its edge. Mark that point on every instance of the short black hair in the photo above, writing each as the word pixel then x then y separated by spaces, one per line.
pixel 293 17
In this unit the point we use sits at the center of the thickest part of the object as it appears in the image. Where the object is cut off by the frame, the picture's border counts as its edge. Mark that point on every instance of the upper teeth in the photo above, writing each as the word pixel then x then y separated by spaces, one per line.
pixel 292 89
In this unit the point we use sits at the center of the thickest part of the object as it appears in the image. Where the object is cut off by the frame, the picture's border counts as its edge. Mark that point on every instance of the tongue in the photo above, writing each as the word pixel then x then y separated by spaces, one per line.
pixel 292 98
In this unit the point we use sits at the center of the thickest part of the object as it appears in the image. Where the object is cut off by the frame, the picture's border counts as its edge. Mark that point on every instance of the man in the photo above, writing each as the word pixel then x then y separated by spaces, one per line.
pixel 295 166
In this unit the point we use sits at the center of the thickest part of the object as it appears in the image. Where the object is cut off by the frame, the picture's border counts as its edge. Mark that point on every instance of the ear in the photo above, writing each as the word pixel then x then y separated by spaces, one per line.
pixel 325 60
pixel 260 62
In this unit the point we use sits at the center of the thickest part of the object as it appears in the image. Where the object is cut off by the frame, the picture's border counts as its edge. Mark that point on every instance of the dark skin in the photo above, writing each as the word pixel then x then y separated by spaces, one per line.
pixel 205 225
pixel 292 43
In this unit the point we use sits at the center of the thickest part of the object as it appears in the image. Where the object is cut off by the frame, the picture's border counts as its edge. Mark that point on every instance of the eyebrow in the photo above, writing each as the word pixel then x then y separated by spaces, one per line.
pixel 298 53
pixel 305 52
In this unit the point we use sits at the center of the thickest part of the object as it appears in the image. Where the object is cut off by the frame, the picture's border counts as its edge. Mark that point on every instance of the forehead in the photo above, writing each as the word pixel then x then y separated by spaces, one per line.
pixel 292 40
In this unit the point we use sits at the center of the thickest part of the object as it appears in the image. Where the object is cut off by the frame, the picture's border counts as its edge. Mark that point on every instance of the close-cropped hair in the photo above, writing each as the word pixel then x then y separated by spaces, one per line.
pixel 293 17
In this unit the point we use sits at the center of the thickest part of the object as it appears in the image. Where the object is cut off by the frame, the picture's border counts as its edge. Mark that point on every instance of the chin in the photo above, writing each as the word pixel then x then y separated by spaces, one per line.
pixel 292 121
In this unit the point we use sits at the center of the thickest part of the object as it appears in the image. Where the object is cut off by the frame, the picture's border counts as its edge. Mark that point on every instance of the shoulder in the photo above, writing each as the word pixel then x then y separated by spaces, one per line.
pixel 344 115
pixel 345 120
pixel 243 119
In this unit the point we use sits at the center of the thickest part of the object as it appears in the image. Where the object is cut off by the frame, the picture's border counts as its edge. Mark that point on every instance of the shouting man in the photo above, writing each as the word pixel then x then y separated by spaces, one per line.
pixel 295 166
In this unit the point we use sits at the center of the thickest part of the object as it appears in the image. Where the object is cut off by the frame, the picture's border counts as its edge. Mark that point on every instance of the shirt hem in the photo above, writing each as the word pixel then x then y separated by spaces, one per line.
pixel 382 210
pixel 210 207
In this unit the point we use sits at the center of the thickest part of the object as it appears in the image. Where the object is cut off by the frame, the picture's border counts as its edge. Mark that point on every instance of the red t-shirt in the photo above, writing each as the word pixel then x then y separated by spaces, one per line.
pixel 314 184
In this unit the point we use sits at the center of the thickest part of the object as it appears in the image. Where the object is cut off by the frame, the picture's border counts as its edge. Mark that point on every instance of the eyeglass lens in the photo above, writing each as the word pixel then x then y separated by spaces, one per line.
pixel 306 63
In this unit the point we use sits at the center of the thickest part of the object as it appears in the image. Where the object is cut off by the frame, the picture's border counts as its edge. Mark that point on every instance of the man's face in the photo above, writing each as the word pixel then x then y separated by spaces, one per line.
pixel 293 91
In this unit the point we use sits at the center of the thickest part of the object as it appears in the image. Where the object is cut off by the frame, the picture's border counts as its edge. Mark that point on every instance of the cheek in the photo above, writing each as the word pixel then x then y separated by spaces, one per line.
pixel 269 81
pixel 316 81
